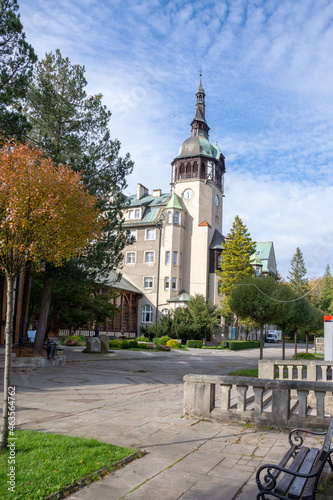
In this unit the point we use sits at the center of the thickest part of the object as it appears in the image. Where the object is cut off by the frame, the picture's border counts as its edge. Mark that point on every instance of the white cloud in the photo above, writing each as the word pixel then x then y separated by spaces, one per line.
pixel 268 77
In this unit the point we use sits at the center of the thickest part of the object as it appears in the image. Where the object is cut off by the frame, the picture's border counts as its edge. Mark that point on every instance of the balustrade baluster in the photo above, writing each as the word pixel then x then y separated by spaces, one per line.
pixel 299 372
pixel 290 372
pixel 281 368
pixel 226 396
pixel 258 400
pixel 324 373
pixel 302 402
pixel 241 393
pixel 320 396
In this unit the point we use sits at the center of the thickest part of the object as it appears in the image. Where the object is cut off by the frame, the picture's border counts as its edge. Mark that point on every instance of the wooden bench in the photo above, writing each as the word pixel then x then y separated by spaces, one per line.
pixel 298 473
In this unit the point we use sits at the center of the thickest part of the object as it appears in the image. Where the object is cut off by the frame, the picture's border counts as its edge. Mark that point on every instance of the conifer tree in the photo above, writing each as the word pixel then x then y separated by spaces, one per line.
pixel 326 295
pixel 72 128
pixel 236 255
pixel 16 61
pixel 298 272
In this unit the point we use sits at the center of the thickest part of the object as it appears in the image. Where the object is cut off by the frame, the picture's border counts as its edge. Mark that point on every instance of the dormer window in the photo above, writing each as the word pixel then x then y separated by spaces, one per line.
pixel 131 214
pixel 137 213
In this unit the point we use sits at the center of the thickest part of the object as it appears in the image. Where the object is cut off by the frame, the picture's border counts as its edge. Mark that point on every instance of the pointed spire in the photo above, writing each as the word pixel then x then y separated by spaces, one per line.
pixel 199 124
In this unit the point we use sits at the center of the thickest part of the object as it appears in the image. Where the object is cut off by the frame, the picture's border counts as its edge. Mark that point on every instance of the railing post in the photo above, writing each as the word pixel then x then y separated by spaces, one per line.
pixel 199 399
pixel 311 375
pixel 320 396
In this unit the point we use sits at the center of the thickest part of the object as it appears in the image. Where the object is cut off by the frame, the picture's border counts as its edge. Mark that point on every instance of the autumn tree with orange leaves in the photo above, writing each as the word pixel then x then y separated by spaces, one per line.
pixel 46 214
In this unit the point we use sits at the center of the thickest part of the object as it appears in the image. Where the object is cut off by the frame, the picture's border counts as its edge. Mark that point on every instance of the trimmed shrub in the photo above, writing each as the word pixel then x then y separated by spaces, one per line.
pixel 142 339
pixel 194 343
pixel 133 344
pixel 237 345
pixel 143 346
pixel 161 340
pixel 125 344
pixel 115 344
pixel 173 344
pixel 75 340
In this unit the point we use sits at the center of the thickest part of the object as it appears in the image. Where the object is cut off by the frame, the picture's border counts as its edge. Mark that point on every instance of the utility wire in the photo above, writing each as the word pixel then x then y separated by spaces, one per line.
pixel 278 300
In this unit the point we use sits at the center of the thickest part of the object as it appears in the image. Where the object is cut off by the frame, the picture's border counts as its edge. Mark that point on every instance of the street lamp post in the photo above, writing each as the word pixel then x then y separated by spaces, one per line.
pixel 159 226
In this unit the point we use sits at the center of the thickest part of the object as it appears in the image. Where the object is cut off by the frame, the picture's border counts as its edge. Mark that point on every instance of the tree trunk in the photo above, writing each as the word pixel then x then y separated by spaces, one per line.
pixel 307 342
pixel 283 345
pixel 295 341
pixel 261 341
pixel 26 299
pixel 43 315
pixel 8 361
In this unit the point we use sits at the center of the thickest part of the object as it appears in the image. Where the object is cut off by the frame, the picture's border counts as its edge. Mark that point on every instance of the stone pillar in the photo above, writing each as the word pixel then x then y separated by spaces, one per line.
pixel 280 406
pixel 266 369
pixel 104 343
pixel 199 399
pixel 328 337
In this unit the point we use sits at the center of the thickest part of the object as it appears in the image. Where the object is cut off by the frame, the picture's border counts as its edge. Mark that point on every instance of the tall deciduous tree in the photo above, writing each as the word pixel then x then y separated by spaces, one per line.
pixel 326 295
pixel 235 262
pixel 257 298
pixel 296 277
pixel 46 214
pixel 16 60
pixel 73 128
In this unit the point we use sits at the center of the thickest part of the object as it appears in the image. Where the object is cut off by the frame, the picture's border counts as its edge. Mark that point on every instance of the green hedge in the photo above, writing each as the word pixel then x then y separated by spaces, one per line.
pixel 194 343
pixel 237 345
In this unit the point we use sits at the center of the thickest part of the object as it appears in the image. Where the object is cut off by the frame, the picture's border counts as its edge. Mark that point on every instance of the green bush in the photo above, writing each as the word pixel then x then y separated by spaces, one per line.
pixel 161 340
pixel 133 344
pixel 75 340
pixel 173 344
pixel 237 345
pixel 115 344
pixel 194 343
pixel 125 344
pixel 143 346
pixel 142 339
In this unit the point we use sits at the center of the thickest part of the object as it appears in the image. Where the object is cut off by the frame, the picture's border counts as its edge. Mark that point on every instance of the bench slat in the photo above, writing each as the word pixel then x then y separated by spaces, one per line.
pixel 287 479
pixel 318 467
pixel 299 482
pixel 328 439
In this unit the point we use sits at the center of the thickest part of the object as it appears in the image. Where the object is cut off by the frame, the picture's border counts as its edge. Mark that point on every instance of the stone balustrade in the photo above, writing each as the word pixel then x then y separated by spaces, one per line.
pixel 302 369
pixel 265 402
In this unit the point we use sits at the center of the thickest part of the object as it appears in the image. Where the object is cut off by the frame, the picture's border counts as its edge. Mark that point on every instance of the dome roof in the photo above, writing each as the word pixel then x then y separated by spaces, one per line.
pixel 198 145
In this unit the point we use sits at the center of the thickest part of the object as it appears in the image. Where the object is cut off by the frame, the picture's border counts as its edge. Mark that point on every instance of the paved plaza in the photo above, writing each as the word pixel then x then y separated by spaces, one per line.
pixel 135 399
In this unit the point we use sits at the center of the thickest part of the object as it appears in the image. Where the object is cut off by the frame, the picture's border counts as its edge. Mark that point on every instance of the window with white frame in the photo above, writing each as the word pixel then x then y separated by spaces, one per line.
pixel 167 257
pixel 150 234
pixel 148 282
pixel 176 218
pixel 149 257
pixel 165 312
pixel 130 258
pixel 219 289
pixel 166 283
pixel 133 234
pixel 174 284
pixel 169 217
pixel 137 213
pixel 175 258
pixel 147 314
pixel 131 214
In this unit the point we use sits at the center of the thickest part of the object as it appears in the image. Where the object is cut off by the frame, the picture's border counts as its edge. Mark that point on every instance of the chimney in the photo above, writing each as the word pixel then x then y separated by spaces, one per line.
pixel 141 191
pixel 157 193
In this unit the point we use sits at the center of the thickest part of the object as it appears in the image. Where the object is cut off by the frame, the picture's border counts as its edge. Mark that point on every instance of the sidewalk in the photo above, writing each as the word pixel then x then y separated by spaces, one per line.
pixel 135 399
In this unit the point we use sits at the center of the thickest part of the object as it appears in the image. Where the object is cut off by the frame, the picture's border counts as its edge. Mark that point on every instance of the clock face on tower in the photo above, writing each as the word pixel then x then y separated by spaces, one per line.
pixel 188 194
pixel 217 201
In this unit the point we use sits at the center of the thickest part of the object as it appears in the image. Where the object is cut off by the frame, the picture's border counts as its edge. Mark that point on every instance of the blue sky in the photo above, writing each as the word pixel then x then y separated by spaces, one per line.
pixel 268 77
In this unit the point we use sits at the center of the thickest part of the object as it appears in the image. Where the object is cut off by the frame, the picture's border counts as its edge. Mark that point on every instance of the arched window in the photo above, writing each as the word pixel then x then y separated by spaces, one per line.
pixel 169 217
pixel 147 314
pixel 188 170
pixel 195 169
pixel 182 171
pixel 176 218
pixel 165 312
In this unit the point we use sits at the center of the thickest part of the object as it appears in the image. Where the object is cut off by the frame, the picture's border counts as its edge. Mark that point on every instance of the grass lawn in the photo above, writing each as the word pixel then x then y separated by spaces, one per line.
pixel 45 463
pixel 253 372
